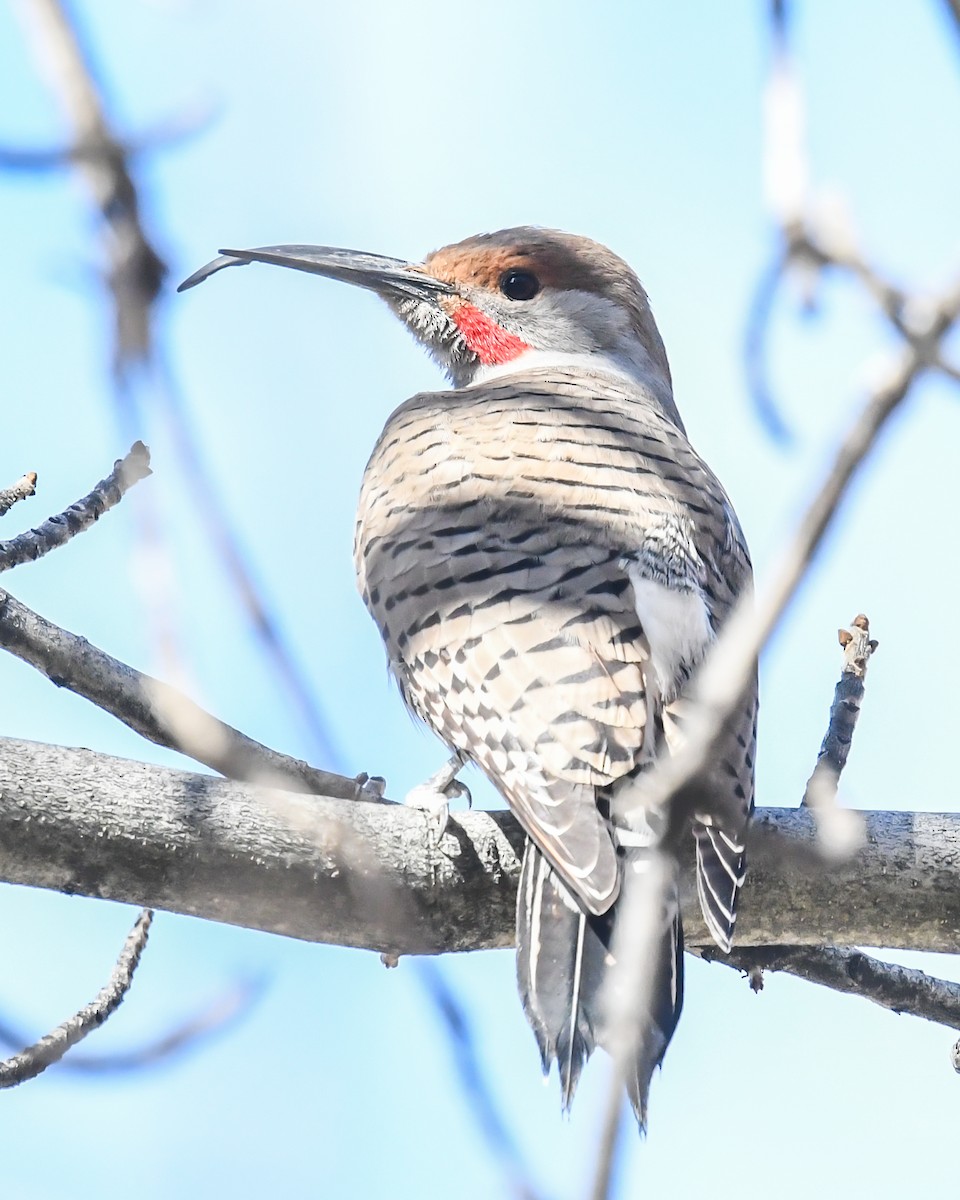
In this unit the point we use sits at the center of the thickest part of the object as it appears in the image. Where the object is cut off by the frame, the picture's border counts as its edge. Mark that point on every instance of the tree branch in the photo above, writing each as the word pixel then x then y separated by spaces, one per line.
pixel 136 270
pixel 358 873
pixel 217 1016
pixel 51 1048
pixel 25 486
pixel 841 830
pixel 155 710
pixel 134 276
pixel 900 989
pixel 858 647
pixel 58 530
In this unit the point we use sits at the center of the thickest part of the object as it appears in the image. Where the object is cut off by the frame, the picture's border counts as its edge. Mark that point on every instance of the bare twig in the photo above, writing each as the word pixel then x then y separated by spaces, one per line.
pixel 136 271
pixel 900 989
pixel 51 1048
pixel 25 486
pixel 226 542
pixel 78 517
pixel 858 646
pixel 153 709
pixel 214 1019
pixel 841 830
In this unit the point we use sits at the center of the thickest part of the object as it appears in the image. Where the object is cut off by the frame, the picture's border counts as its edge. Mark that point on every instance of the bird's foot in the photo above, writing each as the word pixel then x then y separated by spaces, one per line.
pixel 433 797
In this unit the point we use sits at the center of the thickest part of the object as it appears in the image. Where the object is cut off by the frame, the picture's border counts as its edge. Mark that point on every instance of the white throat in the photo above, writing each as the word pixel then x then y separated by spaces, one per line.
pixel 545 360
pixel 634 375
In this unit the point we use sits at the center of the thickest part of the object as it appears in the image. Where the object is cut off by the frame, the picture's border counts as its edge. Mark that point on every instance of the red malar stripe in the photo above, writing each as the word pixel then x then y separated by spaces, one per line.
pixel 490 343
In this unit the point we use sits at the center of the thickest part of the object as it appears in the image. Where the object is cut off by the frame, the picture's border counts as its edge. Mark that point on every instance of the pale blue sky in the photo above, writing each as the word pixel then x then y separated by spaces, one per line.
pixel 397 127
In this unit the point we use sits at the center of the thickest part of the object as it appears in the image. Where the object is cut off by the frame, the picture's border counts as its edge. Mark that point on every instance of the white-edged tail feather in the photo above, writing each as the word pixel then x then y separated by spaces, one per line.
pixel 563 962
pixel 567 1070
pixel 721 867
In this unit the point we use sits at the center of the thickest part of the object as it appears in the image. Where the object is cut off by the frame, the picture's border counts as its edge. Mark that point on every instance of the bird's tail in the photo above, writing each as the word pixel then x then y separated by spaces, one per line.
pixel 567 976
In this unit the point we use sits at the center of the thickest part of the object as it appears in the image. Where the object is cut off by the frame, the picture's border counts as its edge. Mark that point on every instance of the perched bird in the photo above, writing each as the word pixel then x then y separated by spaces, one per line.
pixel 548 560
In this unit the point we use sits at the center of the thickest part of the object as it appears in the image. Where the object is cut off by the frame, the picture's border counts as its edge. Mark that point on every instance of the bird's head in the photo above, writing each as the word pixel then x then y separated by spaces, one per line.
pixel 500 303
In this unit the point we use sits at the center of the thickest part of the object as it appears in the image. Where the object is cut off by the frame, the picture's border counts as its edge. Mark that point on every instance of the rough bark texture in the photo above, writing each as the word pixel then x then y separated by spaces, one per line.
pixel 359 873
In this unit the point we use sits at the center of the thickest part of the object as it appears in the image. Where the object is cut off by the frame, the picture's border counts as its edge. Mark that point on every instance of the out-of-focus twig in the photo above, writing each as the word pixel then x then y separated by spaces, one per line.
pixel 174 129
pixel 136 271
pixel 953 11
pixel 227 544
pixel 50 1049
pixel 213 1019
pixel 474 1085
pixel 634 948
pixel 755 349
pixel 786 186
pixel 728 670
pixel 810 238
pixel 25 486
pixel 134 274
pixel 58 530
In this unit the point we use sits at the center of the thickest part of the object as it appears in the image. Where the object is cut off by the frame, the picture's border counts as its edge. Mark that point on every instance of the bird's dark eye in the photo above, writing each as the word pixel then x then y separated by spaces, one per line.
pixel 519 285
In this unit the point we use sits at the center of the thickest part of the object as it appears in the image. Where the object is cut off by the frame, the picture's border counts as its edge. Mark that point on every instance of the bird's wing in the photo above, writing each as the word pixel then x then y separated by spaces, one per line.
pixel 501 533
pixel 540 680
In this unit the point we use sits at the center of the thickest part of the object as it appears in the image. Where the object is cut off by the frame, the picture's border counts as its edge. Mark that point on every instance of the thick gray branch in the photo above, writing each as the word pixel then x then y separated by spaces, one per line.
pixel 357 873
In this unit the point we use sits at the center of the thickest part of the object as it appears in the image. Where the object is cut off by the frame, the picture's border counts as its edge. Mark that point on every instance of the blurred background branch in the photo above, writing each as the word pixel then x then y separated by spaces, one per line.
pixel 213 1019
pixel 134 273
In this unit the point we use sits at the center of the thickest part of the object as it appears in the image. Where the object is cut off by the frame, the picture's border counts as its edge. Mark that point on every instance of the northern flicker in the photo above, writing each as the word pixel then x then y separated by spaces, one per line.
pixel 548 560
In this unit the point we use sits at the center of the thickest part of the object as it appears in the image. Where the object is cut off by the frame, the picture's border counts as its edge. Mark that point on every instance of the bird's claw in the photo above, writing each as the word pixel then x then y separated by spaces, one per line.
pixel 433 797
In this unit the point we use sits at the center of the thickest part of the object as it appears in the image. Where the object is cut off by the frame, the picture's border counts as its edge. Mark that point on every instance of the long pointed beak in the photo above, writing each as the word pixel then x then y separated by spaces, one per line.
pixel 388 277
